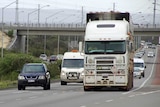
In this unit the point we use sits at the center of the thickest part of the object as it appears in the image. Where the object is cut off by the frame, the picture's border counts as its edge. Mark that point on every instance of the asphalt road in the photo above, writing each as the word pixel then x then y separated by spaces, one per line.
pixel 144 94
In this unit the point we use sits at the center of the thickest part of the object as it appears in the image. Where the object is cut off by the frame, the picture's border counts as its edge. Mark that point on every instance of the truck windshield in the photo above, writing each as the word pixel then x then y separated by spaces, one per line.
pixel 105 47
pixel 73 63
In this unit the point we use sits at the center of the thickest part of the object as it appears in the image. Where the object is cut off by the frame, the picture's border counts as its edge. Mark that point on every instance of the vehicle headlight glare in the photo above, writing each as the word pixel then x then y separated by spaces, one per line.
pixel 41 77
pixel 62 73
pixel 21 77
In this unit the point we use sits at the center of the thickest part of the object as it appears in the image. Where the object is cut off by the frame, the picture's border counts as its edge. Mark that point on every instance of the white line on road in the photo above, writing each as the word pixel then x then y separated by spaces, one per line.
pixel 33 97
pixel 107 101
pixel 18 99
pixel 144 81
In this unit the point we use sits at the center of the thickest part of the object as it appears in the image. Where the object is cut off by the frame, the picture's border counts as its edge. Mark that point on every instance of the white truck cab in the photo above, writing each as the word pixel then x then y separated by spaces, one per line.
pixel 72 68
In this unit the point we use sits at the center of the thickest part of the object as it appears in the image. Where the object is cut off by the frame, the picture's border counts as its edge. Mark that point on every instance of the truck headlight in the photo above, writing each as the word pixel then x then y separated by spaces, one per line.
pixel 20 77
pixel 41 77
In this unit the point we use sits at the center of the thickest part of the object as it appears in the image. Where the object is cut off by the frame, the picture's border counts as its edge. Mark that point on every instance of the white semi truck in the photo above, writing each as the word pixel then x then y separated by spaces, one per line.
pixel 72 68
pixel 109 51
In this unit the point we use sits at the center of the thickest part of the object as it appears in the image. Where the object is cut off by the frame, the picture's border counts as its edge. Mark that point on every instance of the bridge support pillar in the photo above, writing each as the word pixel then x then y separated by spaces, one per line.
pixel 137 40
pixel 23 43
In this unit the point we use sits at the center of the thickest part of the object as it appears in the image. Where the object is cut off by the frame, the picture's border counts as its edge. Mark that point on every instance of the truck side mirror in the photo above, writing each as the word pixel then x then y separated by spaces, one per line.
pixel 130 46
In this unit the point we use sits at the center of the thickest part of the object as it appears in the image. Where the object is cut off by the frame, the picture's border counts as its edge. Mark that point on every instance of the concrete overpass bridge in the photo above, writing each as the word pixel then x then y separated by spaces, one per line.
pixel 145 32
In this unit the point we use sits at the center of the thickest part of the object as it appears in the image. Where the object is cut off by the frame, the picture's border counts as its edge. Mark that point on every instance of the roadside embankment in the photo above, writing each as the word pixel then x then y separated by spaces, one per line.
pixel 6 40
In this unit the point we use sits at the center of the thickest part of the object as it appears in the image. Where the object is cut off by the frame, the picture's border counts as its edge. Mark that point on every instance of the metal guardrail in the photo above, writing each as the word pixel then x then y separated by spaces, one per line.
pixel 66 25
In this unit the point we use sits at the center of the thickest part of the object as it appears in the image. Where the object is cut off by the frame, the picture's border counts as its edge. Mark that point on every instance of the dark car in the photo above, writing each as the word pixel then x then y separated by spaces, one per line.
pixel 34 74
pixel 53 58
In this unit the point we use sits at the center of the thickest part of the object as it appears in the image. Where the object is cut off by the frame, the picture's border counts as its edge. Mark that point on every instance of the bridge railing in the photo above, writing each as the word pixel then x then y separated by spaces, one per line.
pixel 68 25
pixel 54 25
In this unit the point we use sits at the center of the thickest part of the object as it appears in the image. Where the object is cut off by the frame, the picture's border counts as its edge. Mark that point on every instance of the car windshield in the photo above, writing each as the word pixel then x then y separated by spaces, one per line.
pixel 139 65
pixel 105 47
pixel 73 63
pixel 33 69
pixel 53 56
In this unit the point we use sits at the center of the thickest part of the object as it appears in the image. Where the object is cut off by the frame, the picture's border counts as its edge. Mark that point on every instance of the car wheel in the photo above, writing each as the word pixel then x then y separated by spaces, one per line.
pixel 49 86
pixel 63 83
pixel 23 87
pixel 143 74
pixel 45 87
pixel 19 87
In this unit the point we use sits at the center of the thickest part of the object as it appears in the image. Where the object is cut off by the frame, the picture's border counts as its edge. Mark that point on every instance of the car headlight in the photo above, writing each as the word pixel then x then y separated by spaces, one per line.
pixel 82 74
pixel 20 77
pixel 141 71
pixel 41 77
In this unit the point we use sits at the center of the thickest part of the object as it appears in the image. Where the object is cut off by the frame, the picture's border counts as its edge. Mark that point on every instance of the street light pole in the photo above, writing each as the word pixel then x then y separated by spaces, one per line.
pixel 28 25
pixel 2 25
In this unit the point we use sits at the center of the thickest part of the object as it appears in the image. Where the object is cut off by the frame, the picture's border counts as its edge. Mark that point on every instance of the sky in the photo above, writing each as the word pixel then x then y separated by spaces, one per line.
pixel 135 7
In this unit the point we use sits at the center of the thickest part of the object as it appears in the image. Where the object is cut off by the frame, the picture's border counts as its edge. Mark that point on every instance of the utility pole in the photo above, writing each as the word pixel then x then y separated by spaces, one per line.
pixel 82 16
pixel 113 7
pixel 16 16
pixel 38 13
pixel 154 12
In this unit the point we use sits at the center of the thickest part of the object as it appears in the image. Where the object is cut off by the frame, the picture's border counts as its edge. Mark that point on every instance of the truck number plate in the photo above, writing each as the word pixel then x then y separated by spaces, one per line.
pixel 105 75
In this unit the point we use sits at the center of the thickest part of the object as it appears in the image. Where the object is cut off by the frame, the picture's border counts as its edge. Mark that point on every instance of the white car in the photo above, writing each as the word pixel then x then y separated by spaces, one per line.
pixel 43 57
pixel 150 54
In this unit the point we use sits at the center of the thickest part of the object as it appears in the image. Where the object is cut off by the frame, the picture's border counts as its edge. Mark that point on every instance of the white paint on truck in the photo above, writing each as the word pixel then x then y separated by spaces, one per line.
pixel 108 60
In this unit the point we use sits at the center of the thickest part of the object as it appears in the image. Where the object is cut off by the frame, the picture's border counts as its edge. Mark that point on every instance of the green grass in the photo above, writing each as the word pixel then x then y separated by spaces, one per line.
pixel 7 84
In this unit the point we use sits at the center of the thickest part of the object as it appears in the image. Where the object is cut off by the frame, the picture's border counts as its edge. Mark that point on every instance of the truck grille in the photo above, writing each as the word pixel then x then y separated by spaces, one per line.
pixel 104 65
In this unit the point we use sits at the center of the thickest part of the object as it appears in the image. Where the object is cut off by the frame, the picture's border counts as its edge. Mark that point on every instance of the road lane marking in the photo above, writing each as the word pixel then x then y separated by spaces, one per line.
pixel 132 95
pixel 96 103
pixel 82 106
pixel 107 101
pixel 144 81
pixel 151 92
pixel 18 99
pixel 33 97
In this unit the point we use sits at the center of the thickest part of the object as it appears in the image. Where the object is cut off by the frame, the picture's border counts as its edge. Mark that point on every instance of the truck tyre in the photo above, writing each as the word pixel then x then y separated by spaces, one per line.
pixel 86 88
pixel 63 83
